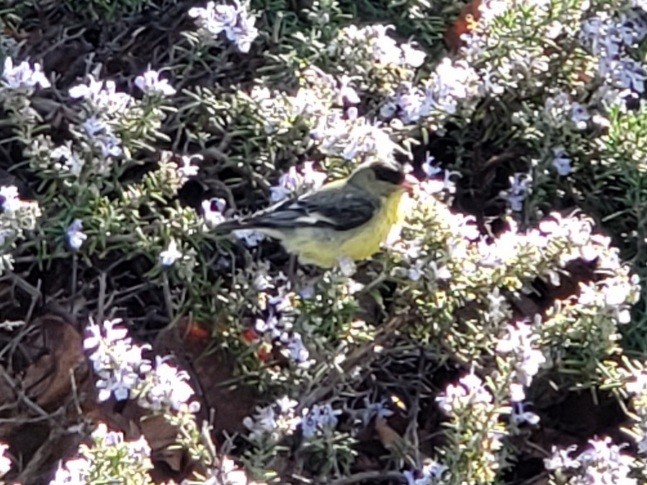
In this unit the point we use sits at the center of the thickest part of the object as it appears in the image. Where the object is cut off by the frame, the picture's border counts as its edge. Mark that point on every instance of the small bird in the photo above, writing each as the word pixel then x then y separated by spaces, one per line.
pixel 344 219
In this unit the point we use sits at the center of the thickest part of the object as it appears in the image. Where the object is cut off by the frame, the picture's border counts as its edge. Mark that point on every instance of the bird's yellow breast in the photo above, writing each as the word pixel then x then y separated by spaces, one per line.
pixel 325 247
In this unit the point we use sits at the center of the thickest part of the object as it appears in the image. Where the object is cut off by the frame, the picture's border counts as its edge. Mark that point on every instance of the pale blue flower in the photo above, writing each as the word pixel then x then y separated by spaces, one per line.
pixel 520 186
pixel 74 235
pixel 319 420
pixel 296 350
pixel 561 162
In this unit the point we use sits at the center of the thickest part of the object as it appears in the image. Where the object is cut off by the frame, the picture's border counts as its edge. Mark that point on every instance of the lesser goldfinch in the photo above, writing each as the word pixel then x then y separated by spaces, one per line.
pixel 345 219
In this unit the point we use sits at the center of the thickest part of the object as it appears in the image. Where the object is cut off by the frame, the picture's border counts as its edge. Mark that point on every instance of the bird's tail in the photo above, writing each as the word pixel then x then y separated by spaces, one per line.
pixel 254 224
pixel 229 226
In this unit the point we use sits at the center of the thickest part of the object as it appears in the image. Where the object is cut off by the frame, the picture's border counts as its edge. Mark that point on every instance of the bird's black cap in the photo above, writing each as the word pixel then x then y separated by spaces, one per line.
pixel 389 173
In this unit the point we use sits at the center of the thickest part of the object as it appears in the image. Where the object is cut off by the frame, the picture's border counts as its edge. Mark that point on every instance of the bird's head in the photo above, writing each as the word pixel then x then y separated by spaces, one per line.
pixel 381 178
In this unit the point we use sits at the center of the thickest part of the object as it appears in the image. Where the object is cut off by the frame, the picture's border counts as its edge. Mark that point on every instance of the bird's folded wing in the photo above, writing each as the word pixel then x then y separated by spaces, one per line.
pixel 321 209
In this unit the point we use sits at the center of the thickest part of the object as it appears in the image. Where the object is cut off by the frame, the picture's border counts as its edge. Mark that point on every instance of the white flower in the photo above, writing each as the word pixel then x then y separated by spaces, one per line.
pixel 346 92
pixel 617 292
pixel 74 471
pixel 453 79
pixel 215 18
pixel 186 170
pixel 285 404
pixel 560 459
pixel 469 391
pixel 429 167
pixel 602 463
pixel 525 357
pixel 228 473
pixel 168 388
pixel 638 384
pixel 134 451
pixel 312 178
pixel 431 474
pixel 92 89
pixel 5 461
pixel 243 33
pixel 9 200
pixel 388 109
pixel 352 137
pixel 233 20
pixel 412 57
pixel 117 362
pixel 23 75
pixel 385 50
pixel 65 156
pixel 276 420
pixel 170 255
pixel 212 211
pixel 150 83
pixel 557 107
pixel 102 95
pixel 373 409
pixel 109 145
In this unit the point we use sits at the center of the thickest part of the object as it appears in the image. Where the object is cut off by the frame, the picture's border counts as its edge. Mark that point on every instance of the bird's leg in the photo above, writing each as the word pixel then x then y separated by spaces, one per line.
pixel 301 279
pixel 292 266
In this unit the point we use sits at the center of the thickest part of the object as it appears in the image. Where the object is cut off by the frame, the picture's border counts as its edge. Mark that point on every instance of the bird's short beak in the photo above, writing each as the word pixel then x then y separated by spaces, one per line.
pixel 409 182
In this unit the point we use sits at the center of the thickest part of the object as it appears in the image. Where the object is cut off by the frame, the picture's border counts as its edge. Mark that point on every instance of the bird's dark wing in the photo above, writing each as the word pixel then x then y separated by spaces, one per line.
pixel 323 208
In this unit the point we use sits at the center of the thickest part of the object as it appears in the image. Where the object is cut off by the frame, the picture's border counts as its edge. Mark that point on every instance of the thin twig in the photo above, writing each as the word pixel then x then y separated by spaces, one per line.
pixel 43 455
pixel 28 402
pixel 75 267
pixel 75 393
pixel 412 428
pixel 34 300
pixel 366 351
pixel 167 296
pixel 101 299
pixel 33 291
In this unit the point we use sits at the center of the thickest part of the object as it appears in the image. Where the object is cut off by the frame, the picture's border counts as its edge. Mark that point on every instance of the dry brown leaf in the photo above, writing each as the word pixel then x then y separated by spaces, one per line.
pixel 48 381
pixel 161 436
pixel 465 22
pixel 7 394
pixel 189 342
